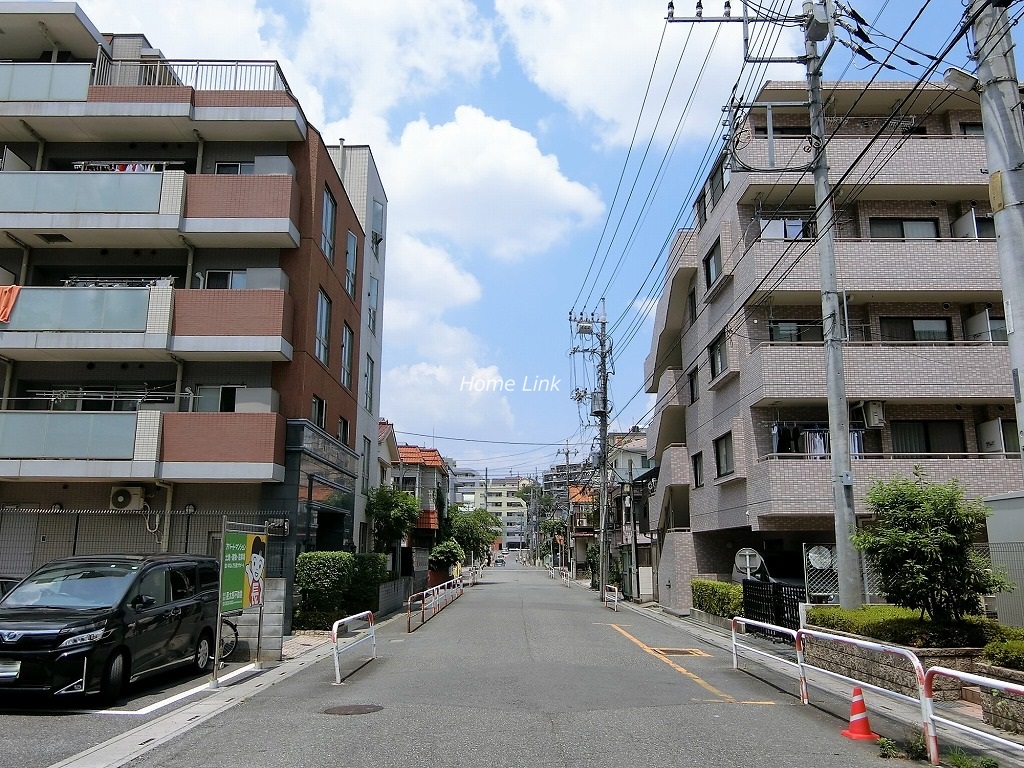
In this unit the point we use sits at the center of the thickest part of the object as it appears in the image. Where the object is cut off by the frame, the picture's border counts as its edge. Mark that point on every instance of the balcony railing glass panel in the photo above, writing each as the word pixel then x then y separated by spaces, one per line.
pixel 77 192
pixel 67 435
pixel 80 309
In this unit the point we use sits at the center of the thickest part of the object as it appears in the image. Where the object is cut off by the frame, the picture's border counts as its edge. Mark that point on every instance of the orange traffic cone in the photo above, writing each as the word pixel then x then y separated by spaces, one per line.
pixel 860 728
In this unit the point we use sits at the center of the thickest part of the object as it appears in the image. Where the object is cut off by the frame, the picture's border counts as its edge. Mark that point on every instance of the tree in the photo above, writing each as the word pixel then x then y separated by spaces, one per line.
pixel 475 531
pixel 921 545
pixel 394 514
pixel 545 501
pixel 446 554
pixel 550 529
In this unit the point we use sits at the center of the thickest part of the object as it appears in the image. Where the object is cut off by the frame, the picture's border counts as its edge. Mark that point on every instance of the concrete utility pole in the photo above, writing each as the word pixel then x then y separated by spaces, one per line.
pixel 817 22
pixel 571 545
pixel 1004 145
pixel 598 326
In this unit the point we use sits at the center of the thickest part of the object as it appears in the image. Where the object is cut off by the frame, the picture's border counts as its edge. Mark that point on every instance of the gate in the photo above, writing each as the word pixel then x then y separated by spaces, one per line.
pixel 773 603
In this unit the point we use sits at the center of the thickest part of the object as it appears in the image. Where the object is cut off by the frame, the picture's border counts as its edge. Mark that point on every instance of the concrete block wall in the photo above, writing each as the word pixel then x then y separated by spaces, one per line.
pixel 272 638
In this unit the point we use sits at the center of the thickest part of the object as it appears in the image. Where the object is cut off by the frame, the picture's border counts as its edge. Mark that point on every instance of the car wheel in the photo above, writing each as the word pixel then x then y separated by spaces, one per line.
pixel 201 659
pixel 115 674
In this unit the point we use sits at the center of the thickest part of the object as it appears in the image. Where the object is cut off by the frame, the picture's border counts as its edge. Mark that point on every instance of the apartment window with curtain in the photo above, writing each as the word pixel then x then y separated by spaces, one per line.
pixel 366 464
pixel 347 341
pixel 723 455
pixel 915 329
pixel 371 306
pixel 903 229
pixel 377 227
pixel 350 264
pixel 323 327
pixel 928 437
pixel 327 225
pixel 713 265
pixel 718 356
pixel 368 375
pixel 318 413
pixel 697 460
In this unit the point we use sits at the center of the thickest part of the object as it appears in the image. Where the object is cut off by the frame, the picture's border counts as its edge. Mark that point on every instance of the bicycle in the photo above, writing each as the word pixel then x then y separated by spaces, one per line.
pixel 228 637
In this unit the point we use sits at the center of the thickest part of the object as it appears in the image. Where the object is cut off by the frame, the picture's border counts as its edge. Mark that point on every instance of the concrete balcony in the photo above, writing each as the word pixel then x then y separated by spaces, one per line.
pixel 670 315
pixel 668 422
pixel 232 324
pixel 151 101
pixel 891 270
pixel 59 445
pixel 929 167
pixel 242 211
pixel 673 483
pixel 67 324
pixel 782 488
pixel 222 447
pixel 963 371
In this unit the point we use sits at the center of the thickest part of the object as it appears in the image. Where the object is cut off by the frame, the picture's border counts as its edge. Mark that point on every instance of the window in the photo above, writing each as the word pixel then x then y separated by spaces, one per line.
pixel 701 208
pixel 371 307
pixel 343 430
pixel 723 455
pixel 366 464
pixel 350 264
pixel 328 224
pixel 928 437
pixel 904 229
pixel 915 329
pixel 790 131
pixel 368 384
pixel 713 265
pixel 795 330
pixel 698 470
pixel 235 169
pixel 691 304
pixel 347 339
pixel 225 278
pixel 787 229
pixel 986 226
pixel 718 356
pixel 318 413
pixel 215 399
pixel 323 327
pixel 694 384
pixel 718 181
pixel 972 129
pixel 377 228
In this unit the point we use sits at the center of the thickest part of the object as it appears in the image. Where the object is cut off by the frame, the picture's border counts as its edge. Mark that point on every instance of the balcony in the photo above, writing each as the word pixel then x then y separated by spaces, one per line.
pixel 787 487
pixel 891 270
pixel 232 324
pixel 964 371
pixel 59 445
pixel 673 482
pixel 930 167
pixel 242 211
pixel 148 100
pixel 222 447
pixel 669 318
pixel 65 324
pixel 668 422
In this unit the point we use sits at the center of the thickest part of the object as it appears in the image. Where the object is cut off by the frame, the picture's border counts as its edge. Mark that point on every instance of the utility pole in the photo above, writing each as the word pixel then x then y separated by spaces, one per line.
pixel 571 546
pixel 817 21
pixel 1004 146
pixel 598 326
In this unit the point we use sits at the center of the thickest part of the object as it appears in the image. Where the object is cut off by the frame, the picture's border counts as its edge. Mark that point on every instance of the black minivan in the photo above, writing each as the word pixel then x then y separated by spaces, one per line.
pixel 94 623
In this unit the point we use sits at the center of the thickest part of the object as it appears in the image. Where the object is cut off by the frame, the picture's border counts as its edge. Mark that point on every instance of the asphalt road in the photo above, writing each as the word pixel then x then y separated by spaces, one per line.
pixel 519 671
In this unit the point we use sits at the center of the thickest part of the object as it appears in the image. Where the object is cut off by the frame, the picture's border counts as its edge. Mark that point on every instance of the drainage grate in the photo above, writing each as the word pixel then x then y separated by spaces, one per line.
pixel 354 709
pixel 679 652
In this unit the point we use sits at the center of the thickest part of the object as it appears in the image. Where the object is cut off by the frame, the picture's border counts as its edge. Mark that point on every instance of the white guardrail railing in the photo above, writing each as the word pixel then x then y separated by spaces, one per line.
pixel 923 678
pixel 612 596
pixel 433 600
pixel 336 636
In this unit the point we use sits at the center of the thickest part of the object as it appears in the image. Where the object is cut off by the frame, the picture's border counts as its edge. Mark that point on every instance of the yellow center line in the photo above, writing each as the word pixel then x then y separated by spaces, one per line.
pixel 702 683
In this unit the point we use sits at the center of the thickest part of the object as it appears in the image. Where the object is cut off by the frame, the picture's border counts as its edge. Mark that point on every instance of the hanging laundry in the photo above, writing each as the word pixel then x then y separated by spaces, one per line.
pixel 8 295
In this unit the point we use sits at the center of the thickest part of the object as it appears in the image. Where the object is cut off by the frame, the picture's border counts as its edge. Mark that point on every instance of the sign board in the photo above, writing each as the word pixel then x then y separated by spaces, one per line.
pixel 243 571
pixel 747 561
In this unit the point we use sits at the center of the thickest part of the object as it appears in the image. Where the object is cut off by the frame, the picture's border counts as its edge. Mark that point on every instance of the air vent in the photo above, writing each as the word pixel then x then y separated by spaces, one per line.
pixel 53 237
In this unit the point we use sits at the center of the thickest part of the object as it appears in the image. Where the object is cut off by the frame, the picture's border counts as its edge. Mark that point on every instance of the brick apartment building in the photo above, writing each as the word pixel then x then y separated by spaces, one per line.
pixel 185 336
pixel 740 433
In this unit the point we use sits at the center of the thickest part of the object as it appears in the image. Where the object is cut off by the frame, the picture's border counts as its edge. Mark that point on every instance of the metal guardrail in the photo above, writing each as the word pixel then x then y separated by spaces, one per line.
pixel 612 596
pixel 433 600
pixel 566 577
pixel 924 680
pixel 366 616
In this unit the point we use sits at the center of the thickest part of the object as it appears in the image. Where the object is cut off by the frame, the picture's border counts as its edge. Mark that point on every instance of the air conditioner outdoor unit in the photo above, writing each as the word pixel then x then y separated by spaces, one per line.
pixel 126 497
pixel 874 414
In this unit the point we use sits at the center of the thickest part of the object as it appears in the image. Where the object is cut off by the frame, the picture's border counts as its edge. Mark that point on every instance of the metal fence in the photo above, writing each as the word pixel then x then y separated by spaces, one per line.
pixel 773 603
pixel 31 537
pixel 200 75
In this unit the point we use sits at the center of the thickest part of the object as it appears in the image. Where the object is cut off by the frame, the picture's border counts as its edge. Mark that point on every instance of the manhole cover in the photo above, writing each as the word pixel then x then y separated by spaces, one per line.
pixel 354 709
pixel 679 652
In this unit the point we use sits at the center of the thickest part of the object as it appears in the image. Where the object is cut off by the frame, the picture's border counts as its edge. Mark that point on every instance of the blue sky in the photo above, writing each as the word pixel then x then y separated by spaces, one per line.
pixel 501 129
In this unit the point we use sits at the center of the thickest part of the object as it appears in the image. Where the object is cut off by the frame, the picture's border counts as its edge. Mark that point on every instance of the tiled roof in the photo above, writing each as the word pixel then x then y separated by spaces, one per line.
pixel 580 495
pixel 413 454
pixel 385 427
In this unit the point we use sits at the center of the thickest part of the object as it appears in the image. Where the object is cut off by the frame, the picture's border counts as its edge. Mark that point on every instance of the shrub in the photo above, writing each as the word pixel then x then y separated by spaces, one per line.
pixel 324 579
pixel 719 598
pixel 369 571
pixel 446 554
pixel 315 618
pixel 1005 653
pixel 903 626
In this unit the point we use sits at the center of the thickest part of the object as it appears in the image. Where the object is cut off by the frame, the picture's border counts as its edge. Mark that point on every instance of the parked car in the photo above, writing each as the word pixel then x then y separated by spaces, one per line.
pixel 93 623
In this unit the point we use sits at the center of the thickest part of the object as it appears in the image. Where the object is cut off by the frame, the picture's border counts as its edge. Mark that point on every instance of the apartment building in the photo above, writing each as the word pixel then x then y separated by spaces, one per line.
pixel 500 497
pixel 559 477
pixel 424 473
pixel 184 273
pixel 740 434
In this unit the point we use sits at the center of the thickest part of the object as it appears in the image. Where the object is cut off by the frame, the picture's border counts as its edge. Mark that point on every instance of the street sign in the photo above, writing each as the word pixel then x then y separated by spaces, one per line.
pixel 747 561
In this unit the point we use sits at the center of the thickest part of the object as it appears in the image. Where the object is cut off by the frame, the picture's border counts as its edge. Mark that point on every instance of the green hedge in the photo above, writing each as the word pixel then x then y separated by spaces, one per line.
pixel 719 598
pixel 335 585
pixel 903 626
pixel 1005 653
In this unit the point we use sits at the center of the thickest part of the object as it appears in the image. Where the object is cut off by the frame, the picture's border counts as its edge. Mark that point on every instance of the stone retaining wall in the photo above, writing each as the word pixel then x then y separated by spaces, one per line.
pixel 1003 710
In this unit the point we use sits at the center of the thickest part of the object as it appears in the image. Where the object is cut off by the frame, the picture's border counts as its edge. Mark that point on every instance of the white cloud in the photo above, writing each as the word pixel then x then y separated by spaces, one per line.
pixel 484 184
